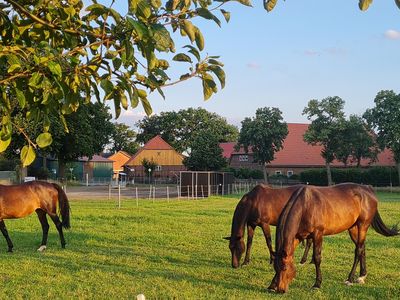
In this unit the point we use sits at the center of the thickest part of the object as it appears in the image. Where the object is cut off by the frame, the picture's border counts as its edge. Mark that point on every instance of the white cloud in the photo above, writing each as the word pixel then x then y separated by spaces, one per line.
pixel 392 34
pixel 312 53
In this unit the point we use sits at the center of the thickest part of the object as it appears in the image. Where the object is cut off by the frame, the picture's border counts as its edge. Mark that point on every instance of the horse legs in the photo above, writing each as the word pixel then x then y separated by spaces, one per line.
pixel 317 248
pixel 250 234
pixel 306 250
pixel 358 235
pixel 6 236
pixel 45 228
pixel 267 235
pixel 58 224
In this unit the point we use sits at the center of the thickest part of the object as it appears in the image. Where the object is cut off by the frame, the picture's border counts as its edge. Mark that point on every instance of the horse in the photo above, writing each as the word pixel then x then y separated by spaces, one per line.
pixel 259 207
pixel 18 201
pixel 314 212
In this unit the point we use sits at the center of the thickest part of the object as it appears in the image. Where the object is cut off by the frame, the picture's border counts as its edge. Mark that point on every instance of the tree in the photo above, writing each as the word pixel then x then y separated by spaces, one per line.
pixel 90 130
pixel 123 138
pixel 180 128
pixel 55 53
pixel 205 154
pixel 327 119
pixel 362 4
pixel 264 135
pixel 356 142
pixel 385 119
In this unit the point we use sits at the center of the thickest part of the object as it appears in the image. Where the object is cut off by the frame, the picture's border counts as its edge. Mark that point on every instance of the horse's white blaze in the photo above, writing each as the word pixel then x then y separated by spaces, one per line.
pixel 361 279
pixel 42 248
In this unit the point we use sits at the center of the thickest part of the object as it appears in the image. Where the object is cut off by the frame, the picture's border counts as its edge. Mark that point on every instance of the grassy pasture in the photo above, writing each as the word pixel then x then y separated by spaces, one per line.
pixel 175 250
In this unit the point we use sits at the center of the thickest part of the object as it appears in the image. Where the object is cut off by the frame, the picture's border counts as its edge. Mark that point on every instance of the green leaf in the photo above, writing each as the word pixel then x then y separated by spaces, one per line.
pixel 199 39
pixel 64 122
pixel 182 57
pixel 124 100
pixel 134 99
pixel 397 3
pixel 245 2
pixel 116 63
pixel 215 62
pixel 140 28
pixel 206 14
pixel 44 139
pixel 4 144
pixel 209 86
pixel 146 105
pixel 35 79
pixel 162 38
pixel 144 9
pixel 219 73
pixel 107 86
pixel 194 51
pixel 55 68
pixel 364 4
pixel 27 155
pixel 13 68
pixel 189 29
pixel 269 4
pixel 21 97
pixel 227 15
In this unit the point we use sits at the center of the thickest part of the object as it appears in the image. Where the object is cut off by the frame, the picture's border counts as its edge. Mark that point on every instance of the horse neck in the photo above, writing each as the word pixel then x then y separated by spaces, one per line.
pixel 240 218
pixel 288 224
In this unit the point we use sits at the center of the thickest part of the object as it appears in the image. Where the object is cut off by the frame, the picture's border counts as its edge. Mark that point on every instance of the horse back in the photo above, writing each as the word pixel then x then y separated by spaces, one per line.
pixel 17 201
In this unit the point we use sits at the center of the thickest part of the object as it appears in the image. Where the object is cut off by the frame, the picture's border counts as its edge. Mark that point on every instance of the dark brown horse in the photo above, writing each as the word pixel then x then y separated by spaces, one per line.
pixel 317 211
pixel 259 207
pixel 18 201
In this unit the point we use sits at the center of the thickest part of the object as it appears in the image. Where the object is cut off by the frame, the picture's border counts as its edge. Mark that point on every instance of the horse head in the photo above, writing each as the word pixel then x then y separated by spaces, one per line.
pixel 284 273
pixel 236 245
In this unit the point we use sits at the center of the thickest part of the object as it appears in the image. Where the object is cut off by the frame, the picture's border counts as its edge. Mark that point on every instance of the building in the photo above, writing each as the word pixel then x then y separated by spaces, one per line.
pixel 119 159
pixel 295 157
pixel 168 161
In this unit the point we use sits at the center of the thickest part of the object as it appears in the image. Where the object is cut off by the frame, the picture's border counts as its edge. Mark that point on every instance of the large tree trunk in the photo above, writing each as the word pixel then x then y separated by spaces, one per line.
pixel 265 173
pixel 328 173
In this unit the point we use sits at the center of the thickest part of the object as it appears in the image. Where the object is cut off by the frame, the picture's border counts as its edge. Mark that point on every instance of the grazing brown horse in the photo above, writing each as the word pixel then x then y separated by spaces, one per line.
pixel 259 207
pixel 317 211
pixel 18 201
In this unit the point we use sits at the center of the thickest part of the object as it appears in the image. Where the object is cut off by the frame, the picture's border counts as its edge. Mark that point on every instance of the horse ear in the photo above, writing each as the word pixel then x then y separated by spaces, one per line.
pixel 227 238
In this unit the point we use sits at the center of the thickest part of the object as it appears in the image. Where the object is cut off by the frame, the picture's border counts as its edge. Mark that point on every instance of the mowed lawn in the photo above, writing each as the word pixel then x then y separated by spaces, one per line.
pixel 175 250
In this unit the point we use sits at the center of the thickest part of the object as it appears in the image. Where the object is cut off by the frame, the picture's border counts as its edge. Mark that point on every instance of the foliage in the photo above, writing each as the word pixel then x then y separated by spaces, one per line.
pixel 264 134
pixel 245 173
pixel 384 118
pixel 205 154
pixel 55 54
pixel 149 165
pixel 123 138
pixel 327 118
pixel 376 176
pixel 174 249
pixel 179 128
pixel 362 4
pixel 356 142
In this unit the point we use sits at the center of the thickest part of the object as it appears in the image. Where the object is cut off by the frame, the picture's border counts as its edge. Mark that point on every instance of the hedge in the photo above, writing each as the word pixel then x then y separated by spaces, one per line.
pixel 376 176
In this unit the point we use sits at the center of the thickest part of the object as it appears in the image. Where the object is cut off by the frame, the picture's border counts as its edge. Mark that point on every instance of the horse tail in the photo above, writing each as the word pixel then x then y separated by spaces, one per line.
pixel 63 206
pixel 381 228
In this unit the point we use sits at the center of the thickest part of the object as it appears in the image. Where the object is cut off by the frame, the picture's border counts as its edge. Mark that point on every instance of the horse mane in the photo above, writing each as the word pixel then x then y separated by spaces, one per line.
pixel 283 218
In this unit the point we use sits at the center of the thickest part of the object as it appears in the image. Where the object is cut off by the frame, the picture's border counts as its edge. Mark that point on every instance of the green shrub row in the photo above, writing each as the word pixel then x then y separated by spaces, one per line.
pixel 244 173
pixel 376 176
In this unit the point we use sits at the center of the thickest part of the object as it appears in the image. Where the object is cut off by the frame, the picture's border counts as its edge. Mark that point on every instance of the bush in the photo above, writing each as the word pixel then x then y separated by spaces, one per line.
pixel 376 176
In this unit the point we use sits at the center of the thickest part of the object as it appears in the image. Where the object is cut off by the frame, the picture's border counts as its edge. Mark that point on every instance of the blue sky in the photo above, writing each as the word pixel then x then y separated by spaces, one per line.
pixel 302 50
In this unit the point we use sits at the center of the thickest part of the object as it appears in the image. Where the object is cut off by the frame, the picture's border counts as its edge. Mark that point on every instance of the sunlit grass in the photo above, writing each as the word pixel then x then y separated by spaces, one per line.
pixel 175 250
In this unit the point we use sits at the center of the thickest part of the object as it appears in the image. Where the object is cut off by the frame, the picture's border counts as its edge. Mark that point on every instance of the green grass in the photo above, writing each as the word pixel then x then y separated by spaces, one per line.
pixel 175 250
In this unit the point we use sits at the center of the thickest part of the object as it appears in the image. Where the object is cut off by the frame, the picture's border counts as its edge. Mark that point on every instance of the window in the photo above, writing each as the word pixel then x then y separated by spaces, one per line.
pixel 289 173
pixel 278 172
pixel 243 158
pixel 158 168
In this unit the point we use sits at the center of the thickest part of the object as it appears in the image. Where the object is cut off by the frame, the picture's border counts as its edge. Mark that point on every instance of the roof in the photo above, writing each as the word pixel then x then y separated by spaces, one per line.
pixel 156 143
pixel 121 152
pixel 296 152
pixel 227 149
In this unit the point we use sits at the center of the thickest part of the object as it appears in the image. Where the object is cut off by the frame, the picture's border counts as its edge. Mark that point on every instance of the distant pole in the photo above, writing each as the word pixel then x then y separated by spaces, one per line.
pixel 188 192
pixel 196 191
pixel 87 179
pixel 137 198
pixel 202 191
pixel 150 192
pixel 154 193
pixel 119 195
pixel 167 193
pixel 223 188
pixel 179 191
pixel 109 191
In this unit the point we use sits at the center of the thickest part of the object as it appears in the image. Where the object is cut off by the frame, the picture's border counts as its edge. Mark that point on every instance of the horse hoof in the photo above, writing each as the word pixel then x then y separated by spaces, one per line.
pixel 10 250
pixel 42 248
pixel 361 279
pixel 348 283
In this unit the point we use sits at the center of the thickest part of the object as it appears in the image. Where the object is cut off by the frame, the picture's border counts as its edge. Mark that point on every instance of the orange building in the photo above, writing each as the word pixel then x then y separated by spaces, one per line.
pixel 119 159
pixel 168 161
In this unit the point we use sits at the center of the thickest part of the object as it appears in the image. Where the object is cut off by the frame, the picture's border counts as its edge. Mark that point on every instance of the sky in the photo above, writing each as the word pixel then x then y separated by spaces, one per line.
pixel 302 50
